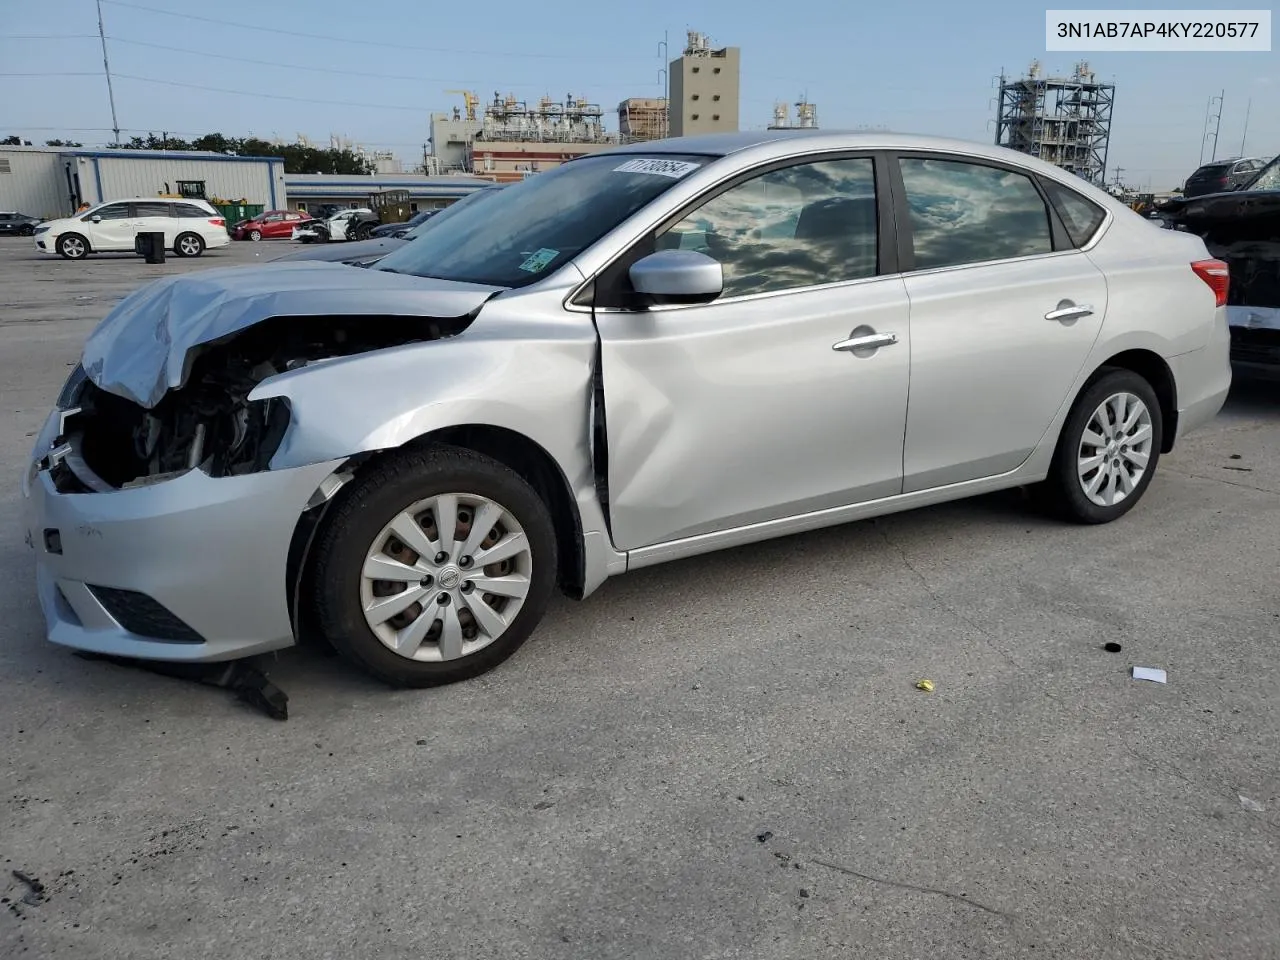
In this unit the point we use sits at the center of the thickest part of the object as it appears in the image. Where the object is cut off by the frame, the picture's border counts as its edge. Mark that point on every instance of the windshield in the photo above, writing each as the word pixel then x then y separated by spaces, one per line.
pixel 432 223
pixel 1267 179
pixel 533 227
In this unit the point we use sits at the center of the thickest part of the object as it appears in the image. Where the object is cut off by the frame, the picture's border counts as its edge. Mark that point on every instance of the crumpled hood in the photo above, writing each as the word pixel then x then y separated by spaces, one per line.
pixel 144 347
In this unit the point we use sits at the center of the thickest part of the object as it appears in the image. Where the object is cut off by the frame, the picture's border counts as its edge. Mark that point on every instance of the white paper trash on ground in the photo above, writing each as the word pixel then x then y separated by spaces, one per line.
pixel 1251 805
pixel 1155 674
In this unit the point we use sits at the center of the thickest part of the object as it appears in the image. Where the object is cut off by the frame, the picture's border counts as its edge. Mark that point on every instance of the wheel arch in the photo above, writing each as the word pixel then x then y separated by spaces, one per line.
pixel 509 447
pixel 1155 370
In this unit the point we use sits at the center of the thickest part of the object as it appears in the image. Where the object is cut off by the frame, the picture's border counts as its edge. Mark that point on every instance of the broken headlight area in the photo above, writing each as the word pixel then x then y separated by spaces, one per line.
pixel 109 442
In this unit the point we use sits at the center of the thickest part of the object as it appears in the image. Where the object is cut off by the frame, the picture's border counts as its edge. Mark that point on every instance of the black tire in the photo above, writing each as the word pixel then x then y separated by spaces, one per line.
pixel 27 230
pixel 73 246
pixel 193 241
pixel 366 506
pixel 1063 491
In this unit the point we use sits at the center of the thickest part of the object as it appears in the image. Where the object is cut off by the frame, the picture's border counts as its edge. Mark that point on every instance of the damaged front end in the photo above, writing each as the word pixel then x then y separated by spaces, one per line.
pixel 110 442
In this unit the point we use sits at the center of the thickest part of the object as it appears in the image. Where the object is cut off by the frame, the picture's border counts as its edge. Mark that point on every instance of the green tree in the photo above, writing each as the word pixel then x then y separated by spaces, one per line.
pixel 297 157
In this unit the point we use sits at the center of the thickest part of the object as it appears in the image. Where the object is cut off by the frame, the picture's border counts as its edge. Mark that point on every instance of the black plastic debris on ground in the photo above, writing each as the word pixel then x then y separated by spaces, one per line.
pixel 243 679
pixel 1112 647
pixel 35 889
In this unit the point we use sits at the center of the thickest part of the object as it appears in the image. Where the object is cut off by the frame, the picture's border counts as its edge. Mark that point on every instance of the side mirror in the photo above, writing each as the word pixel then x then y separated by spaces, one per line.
pixel 677 276
pixel 96 218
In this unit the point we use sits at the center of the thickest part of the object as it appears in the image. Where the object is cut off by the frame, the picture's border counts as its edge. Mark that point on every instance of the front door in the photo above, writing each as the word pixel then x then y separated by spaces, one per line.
pixel 753 407
pixel 114 231
pixel 1001 323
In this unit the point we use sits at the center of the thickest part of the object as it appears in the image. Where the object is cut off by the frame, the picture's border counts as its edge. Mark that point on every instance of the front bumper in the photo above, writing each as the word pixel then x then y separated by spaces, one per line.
pixel 190 569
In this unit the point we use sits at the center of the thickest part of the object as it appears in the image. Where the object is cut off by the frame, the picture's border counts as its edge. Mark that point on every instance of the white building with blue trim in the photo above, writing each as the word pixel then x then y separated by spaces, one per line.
pixel 54 181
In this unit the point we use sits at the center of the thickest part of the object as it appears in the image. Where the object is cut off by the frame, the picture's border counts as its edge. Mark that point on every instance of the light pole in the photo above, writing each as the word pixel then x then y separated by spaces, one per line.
pixel 102 35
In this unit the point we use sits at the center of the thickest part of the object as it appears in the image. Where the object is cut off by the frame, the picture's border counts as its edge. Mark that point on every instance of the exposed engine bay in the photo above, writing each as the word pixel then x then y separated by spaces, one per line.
pixel 209 422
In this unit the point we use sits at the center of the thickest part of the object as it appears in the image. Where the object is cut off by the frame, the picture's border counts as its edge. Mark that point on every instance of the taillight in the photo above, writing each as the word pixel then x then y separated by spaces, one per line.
pixel 1216 274
pixel 218 221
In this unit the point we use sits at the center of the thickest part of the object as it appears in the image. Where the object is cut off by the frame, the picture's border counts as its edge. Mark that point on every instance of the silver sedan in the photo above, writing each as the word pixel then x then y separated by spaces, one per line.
pixel 644 354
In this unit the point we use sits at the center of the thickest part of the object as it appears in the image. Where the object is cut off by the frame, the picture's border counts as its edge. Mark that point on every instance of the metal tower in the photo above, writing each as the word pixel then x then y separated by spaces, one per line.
pixel 1065 121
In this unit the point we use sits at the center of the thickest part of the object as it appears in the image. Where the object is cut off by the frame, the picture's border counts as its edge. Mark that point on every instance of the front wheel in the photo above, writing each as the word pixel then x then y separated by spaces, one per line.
pixel 434 567
pixel 73 246
pixel 255 235
pixel 189 245
pixel 27 231
pixel 1108 449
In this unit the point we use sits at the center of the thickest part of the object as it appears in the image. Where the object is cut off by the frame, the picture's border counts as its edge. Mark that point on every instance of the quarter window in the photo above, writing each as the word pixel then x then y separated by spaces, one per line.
pixel 1081 217
pixel 970 213
pixel 798 226
pixel 189 211
pixel 151 210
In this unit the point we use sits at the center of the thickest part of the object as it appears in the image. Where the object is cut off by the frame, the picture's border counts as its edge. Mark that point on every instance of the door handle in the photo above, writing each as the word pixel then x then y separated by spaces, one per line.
pixel 1067 310
pixel 868 342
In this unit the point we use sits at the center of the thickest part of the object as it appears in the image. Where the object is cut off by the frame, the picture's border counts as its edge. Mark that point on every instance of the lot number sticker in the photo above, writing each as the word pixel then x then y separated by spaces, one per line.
pixel 538 260
pixel 675 169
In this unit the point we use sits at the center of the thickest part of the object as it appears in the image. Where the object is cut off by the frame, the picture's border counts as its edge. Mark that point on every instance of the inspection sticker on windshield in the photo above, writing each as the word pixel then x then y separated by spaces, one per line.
pixel 538 260
pixel 675 169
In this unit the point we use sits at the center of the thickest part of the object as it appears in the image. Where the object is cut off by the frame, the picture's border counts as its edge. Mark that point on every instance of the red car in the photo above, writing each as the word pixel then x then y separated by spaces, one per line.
pixel 271 225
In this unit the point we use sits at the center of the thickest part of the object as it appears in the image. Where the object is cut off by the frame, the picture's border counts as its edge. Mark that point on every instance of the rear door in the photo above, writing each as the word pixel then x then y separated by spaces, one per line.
pixel 1004 313
pixel 111 227
pixel 156 216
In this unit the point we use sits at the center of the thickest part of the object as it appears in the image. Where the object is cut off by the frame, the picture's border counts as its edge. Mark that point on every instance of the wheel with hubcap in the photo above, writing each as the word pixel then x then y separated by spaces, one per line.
pixel 73 246
pixel 1108 450
pixel 189 245
pixel 255 235
pixel 433 567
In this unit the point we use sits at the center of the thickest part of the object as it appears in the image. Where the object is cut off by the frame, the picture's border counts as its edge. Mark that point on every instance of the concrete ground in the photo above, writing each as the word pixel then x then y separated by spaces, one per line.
pixel 725 757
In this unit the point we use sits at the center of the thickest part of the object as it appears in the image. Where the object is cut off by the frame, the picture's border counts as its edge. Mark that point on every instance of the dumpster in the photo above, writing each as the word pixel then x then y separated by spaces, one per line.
pixel 233 213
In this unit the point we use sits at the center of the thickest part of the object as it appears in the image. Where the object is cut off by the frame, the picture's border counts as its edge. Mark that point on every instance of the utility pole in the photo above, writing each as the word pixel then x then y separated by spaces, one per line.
pixel 106 66
pixel 1204 133
pixel 1218 126
pixel 1246 125
pixel 666 83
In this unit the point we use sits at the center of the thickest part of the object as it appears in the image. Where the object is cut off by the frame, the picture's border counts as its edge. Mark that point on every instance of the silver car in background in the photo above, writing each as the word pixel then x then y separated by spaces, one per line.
pixel 642 355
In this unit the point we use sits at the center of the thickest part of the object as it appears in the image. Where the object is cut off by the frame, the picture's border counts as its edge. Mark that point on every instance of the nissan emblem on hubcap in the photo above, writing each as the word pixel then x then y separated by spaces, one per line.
pixel 449 578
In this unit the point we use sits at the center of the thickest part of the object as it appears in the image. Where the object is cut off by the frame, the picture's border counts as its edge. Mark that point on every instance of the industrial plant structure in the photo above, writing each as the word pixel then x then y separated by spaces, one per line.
pixel 1065 121
pixel 643 118
pixel 806 116
pixel 704 88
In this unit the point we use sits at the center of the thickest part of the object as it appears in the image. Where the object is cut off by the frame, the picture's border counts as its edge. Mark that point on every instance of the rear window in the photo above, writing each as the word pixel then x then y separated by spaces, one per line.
pixel 1213 170
pixel 1081 217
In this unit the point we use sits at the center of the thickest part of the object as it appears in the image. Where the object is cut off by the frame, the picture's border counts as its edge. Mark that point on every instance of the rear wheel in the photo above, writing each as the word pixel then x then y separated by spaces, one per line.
pixel 1108 449
pixel 26 230
pixel 73 246
pixel 433 568
pixel 188 245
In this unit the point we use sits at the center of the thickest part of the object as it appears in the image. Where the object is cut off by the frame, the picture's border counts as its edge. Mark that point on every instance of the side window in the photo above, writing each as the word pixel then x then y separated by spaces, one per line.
pixel 113 211
pixel 188 211
pixel 151 210
pixel 969 213
pixel 798 226
pixel 1081 217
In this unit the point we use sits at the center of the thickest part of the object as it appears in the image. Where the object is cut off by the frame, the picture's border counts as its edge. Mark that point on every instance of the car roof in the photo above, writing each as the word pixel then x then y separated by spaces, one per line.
pixel 787 142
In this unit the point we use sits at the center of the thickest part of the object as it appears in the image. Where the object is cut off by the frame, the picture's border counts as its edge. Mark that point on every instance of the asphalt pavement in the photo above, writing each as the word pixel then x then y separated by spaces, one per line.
pixel 724 757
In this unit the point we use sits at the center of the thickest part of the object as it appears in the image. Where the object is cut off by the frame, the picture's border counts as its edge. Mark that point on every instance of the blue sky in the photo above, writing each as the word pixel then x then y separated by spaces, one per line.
pixel 926 67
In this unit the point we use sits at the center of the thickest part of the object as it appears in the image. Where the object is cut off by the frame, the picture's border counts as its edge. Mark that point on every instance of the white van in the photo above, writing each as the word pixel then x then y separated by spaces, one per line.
pixel 190 226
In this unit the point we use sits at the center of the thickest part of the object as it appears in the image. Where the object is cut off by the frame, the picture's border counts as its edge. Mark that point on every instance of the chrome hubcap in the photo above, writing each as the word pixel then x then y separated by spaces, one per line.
pixel 189 246
pixel 73 247
pixel 446 577
pixel 1115 449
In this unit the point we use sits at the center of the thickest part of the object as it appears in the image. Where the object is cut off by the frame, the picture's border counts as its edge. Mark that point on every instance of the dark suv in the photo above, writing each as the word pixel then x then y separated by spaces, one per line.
pixel 1222 175
pixel 17 224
